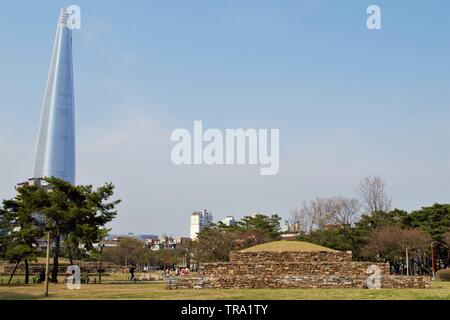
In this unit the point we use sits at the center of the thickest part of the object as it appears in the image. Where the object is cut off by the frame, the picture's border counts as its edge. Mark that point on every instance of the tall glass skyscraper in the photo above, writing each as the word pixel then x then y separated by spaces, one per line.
pixel 55 153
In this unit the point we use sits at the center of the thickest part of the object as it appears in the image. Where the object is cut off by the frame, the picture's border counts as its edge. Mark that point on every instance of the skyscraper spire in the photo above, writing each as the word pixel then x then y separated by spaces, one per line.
pixel 55 153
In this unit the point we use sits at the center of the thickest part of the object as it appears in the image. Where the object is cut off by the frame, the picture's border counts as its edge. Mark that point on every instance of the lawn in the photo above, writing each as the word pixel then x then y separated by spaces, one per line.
pixel 156 290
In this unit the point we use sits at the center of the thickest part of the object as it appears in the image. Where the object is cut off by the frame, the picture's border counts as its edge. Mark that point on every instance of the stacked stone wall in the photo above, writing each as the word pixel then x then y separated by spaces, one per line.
pixel 305 270
pixel 273 269
pixel 299 282
pixel 289 256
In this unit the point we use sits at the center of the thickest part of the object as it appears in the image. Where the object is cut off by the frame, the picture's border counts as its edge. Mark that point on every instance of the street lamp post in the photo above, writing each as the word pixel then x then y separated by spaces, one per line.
pixel 407 262
pixel 47 265
pixel 100 270
pixel 432 261
pixel 164 256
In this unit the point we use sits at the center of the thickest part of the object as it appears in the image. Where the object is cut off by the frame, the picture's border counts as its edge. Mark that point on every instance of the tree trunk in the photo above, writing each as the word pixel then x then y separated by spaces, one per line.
pixel 55 258
pixel 396 268
pixel 27 272
pixel 70 254
pixel 14 271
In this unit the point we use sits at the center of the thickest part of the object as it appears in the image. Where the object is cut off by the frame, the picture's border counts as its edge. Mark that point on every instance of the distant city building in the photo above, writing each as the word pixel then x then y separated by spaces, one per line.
pixel 285 226
pixel 228 221
pixel 290 226
pixel 113 240
pixel 55 152
pixel 155 243
pixel 200 220
pixel 163 242
pixel 290 230
pixel 151 239
pixel 170 243
pixel 145 237
pixel 182 241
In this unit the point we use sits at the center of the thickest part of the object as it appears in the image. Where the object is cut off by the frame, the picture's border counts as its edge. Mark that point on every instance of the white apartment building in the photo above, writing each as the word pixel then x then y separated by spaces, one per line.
pixel 200 220
pixel 228 221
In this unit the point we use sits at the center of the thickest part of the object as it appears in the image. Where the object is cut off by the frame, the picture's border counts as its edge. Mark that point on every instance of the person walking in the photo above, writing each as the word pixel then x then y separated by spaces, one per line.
pixel 132 270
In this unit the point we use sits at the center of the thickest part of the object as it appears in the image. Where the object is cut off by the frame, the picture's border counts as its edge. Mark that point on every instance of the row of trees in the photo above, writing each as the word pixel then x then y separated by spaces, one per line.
pixel 131 251
pixel 319 213
pixel 368 226
pixel 215 242
pixel 365 224
pixel 75 214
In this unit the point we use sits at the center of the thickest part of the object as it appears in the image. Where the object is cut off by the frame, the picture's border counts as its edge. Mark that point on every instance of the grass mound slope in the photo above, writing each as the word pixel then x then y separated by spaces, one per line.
pixel 283 245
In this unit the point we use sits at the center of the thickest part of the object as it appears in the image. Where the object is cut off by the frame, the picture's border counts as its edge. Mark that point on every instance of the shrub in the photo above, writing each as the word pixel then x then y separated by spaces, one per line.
pixel 443 275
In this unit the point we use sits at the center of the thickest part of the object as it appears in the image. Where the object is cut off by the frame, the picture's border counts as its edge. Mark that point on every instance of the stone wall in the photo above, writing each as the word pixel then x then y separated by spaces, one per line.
pixel 349 268
pixel 272 269
pixel 299 282
pixel 289 256
pixel 295 270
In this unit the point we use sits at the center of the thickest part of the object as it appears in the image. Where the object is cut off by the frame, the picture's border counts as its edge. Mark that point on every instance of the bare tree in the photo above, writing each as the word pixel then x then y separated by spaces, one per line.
pixel 312 215
pixel 373 196
pixel 319 212
pixel 343 211
pixel 300 221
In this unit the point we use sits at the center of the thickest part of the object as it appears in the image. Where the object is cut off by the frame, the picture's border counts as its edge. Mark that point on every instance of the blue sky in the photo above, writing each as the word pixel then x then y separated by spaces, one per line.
pixel 349 102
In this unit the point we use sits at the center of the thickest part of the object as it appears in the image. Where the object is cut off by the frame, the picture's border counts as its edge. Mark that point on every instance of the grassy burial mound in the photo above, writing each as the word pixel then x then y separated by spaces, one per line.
pixel 291 246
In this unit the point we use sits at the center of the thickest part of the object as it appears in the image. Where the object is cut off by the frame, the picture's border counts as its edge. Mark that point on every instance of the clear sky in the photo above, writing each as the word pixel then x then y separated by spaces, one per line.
pixel 349 102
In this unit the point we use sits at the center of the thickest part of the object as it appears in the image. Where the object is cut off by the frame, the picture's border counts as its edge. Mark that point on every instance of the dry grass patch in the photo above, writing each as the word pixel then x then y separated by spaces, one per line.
pixel 283 245
pixel 157 291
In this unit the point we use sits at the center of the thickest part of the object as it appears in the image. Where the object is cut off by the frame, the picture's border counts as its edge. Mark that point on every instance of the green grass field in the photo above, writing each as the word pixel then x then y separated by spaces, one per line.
pixel 157 291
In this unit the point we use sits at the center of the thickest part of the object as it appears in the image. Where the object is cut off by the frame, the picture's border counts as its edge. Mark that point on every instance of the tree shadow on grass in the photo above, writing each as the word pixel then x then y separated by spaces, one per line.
pixel 17 296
